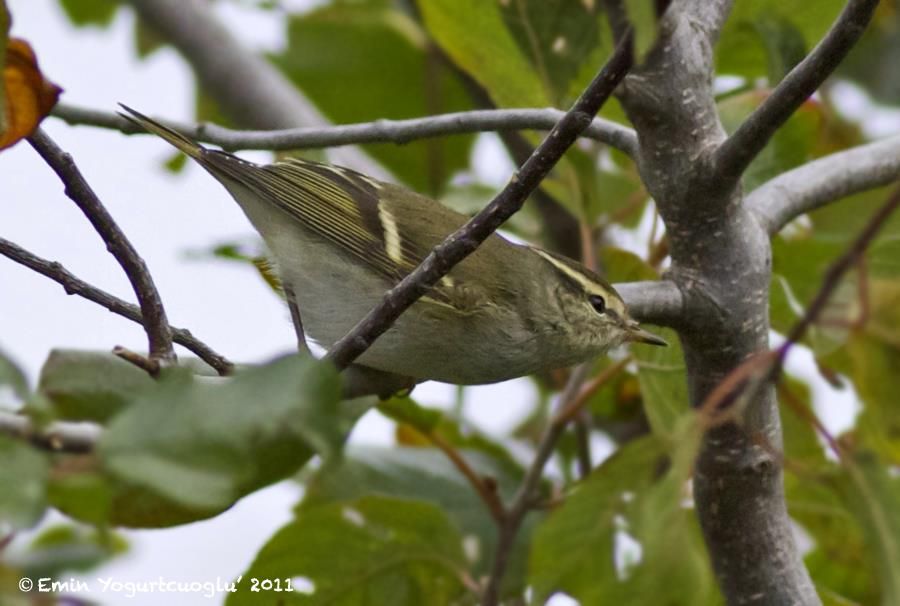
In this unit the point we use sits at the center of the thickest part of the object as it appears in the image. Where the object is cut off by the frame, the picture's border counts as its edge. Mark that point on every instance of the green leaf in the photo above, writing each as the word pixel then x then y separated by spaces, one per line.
pixel 661 373
pixel 674 560
pixel 146 42
pixel 799 263
pixel 575 549
pixel 801 443
pixel 361 62
pixel 554 37
pixel 642 16
pixel 424 474
pixel 23 484
pixel 761 34
pixel 374 550
pixel 874 59
pixel 474 35
pixel 783 42
pixel 12 377
pixel 837 562
pixel 624 266
pixel 62 548
pixel 406 410
pixel 840 223
pixel 875 368
pixel 90 12
pixel 90 386
pixel 618 408
pixel 873 494
pixel 214 440
pixel 87 494
pixel 584 199
pixel 620 194
pixel 840 563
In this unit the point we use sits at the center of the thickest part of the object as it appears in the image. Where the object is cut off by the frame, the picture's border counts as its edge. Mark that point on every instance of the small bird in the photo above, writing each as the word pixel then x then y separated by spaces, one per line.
pixel 339 239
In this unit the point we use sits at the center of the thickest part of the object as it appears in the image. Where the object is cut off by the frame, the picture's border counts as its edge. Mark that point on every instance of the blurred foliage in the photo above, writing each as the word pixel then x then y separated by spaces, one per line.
pixel 401 524
pixel 578 549
pixel 880 78
pixel 372 550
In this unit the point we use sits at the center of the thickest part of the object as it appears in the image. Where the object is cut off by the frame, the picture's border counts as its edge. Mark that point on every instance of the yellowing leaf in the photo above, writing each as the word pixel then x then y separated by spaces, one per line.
pixel 29 96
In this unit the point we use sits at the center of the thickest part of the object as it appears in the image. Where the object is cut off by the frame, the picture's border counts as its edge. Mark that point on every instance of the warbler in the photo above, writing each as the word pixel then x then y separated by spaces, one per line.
pixel 339 239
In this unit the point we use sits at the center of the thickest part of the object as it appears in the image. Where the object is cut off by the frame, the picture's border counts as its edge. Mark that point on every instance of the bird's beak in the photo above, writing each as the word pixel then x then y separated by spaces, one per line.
pixel 636 334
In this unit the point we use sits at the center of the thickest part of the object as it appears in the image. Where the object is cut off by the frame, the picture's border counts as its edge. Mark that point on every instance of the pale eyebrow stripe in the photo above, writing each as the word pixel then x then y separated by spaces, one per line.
pixel 588 285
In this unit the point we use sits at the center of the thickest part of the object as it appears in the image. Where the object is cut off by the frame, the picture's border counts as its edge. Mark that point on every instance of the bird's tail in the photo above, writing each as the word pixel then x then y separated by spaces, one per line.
pixel 188 146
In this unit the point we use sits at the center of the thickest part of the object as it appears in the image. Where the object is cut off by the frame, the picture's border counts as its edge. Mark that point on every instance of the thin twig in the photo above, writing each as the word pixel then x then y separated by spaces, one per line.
pixel 576 404
pixel 837 270
pixel 804 411
pixel 73 438
pixel 571 402
pixel 582 430
pixel 75 286
pixel 379 131
pixel 736 152
pixel 159 333
pixel 466 240
pixel 486 489
pixel 136 359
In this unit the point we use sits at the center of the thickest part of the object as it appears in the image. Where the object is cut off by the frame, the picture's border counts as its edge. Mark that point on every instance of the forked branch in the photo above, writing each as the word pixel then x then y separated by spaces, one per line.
pixel 153 314
pixel 823 181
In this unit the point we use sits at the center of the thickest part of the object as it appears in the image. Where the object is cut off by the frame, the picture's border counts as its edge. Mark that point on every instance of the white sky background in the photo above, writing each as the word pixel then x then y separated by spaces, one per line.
pixel 224 304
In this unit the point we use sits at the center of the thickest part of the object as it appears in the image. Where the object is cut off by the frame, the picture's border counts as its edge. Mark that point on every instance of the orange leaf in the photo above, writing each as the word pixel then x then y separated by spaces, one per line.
pixel 29 96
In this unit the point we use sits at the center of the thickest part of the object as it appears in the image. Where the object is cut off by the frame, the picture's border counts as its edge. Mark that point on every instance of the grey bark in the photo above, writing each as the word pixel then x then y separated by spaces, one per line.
pixel 825 180
pixel 721 261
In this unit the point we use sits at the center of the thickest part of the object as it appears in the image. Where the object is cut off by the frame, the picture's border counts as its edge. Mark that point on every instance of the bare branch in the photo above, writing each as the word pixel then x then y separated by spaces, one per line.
pixel 660 303
pixel 484 487
pixel 466 240
pixel 380 131
pixel 823 181
pixel 73 438
pixel 159 333
pixel 736 153
pixel 75 286
pixel 136 359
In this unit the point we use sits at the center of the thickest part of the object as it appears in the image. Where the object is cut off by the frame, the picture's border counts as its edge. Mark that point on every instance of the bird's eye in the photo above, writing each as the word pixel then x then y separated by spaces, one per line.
pixel 598 303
